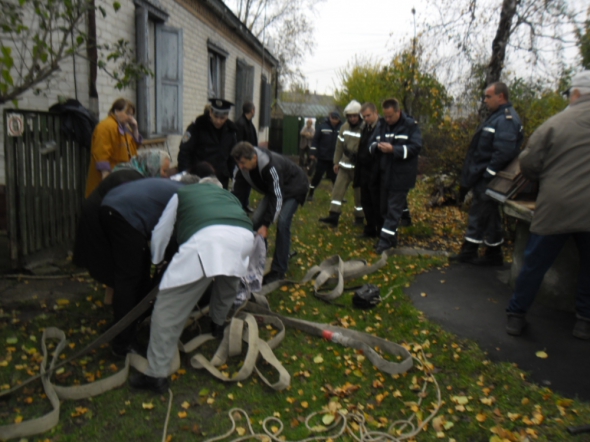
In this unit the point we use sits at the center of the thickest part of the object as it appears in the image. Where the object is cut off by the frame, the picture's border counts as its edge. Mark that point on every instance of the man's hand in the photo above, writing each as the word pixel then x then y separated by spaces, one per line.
pixel 104 173
pixel 336 168
pixel 385 147
pixel 263 231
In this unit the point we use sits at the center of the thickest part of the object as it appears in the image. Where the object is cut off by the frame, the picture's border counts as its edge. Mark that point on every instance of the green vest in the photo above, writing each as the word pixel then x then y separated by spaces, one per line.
pixel 203 205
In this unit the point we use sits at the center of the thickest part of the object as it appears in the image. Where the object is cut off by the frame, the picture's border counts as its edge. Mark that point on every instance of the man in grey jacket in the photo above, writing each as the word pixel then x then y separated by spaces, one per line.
pixel 558 157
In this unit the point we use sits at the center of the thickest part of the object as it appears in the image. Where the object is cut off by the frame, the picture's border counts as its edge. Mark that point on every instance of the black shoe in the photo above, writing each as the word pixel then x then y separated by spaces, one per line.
pixel 367 235
pixel 385 246
pixel 405 222
pixel 582 328
pixel 217 330
pixel 273 276
pixel 331 219
pixel 491 257
pixel 515 324
pixel 120 351
pixel 310 196
pixel 145 382
pixel 359 221
pixel 467 254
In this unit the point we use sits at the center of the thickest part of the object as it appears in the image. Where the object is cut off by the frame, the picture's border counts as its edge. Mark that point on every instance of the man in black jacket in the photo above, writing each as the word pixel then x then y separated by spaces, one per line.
pixel 210 138
pixel 495 144
pixel 396 148
pixel 284 186
pixel 246 132
pixel 322 148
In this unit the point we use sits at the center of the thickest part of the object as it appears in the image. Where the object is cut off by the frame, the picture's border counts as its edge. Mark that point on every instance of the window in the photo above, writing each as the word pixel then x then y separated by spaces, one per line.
pixel 159 99
pixel 265 101
pixel 244 84
pixel 217 57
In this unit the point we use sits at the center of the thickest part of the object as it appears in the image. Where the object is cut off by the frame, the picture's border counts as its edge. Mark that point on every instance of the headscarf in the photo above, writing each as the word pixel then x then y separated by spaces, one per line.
pixel 148 162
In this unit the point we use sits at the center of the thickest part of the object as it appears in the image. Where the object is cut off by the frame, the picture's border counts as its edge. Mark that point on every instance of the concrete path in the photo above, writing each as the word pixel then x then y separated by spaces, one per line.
pixel 470 301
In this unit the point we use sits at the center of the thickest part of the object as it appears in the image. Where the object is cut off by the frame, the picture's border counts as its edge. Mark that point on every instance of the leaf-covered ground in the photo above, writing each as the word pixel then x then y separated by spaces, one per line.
pixel 481 400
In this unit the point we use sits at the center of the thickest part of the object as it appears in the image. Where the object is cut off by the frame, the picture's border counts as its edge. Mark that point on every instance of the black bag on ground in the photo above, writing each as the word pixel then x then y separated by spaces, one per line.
pixel 368 296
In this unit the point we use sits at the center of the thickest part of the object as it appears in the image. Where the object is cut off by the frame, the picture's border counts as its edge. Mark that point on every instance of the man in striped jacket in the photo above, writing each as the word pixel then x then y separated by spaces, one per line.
pixel 284 186
pixel 344 161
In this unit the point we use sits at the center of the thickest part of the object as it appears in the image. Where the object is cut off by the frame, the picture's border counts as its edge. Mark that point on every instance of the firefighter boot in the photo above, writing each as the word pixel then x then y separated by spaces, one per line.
pixel 491 257
pixel 468 253
pixel 331 219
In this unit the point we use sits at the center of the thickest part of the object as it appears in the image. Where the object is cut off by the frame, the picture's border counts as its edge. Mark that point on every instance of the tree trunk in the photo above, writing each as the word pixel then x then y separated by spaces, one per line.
pixel 503 33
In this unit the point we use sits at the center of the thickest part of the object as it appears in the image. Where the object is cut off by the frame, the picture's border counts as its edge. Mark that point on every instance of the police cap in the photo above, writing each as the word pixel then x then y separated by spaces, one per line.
pixel 219 105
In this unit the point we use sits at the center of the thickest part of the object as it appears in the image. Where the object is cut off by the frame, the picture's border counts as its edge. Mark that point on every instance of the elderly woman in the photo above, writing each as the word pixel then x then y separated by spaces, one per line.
pixel 90 248
pixel 115 140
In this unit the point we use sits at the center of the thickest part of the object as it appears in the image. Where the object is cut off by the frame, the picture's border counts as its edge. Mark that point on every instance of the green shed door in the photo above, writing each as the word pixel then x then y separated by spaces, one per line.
pixel 290 135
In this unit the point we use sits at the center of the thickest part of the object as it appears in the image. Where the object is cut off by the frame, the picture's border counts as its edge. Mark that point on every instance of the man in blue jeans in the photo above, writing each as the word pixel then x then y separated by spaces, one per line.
pixel 558 157
pixel 284 186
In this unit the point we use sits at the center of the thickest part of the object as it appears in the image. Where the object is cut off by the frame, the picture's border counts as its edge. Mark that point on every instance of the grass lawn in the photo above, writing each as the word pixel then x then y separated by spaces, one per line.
pixel 481 400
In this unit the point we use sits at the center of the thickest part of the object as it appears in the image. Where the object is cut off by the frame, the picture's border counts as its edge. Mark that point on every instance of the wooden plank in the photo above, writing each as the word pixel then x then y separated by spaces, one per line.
pixel 58 191
pixel 10 167
pixel 51 185
pixel 36 184
pixel 29 195
pixel 21 202
pixel 44 183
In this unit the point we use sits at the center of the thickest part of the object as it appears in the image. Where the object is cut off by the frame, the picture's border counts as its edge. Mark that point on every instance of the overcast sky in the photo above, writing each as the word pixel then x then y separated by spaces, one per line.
pixel 345 28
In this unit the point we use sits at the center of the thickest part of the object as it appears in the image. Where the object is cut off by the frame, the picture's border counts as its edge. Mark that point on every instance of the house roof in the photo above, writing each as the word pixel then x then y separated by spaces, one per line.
pixel 307 105
pixel 230 19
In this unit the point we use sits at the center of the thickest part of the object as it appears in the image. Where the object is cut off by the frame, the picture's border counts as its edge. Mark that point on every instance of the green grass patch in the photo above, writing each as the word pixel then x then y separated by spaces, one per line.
pixel 481 399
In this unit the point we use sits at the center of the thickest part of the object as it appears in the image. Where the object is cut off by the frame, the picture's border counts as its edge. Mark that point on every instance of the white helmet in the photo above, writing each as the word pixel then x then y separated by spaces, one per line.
pixel 354 107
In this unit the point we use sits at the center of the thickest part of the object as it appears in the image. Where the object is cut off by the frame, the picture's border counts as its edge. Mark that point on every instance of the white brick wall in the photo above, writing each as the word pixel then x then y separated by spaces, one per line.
pixel 121 25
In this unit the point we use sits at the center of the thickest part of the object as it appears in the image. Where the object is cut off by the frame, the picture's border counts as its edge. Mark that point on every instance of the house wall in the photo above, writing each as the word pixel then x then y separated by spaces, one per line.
pixel 198 24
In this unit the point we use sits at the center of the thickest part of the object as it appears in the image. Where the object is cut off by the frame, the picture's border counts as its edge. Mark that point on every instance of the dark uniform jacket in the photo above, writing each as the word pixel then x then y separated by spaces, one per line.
pixel 495 143
pixel 246 131
pixel 324 141
pixel 277 178
pixel 203 142
pixel 364 159
pixel 398 170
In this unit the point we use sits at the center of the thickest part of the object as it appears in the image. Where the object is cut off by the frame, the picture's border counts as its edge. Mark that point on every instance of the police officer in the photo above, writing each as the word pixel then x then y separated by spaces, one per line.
pixel 322 148
pixel 495 144
pixel 210 138
pixel 344 162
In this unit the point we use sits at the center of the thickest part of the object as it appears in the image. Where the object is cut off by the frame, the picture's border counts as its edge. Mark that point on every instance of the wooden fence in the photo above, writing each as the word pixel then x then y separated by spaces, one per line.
pixel 45 183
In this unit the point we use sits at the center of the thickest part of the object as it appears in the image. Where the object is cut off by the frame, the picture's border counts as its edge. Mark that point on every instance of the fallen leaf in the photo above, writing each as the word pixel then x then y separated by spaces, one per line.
pixel 542 355
pixel 241 431
pixel 62 301
pixel 12 340
pixel 185 405
pixel 480 417
pixel 182 414
pixel 147 406
pixel 328 418
pixel 318 359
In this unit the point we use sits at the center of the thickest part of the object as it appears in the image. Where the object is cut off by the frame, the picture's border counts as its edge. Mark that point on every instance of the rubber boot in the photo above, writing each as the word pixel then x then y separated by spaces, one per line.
pixel 331 219
pixel 467 254
pixel 491 257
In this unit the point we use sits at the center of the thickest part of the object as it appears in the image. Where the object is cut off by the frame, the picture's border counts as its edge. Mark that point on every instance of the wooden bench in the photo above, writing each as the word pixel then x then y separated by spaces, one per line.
pixel 560 285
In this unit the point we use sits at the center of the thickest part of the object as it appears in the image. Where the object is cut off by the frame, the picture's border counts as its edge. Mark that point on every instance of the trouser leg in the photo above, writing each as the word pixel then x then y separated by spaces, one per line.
pixel 582 240
pixel 224 291
pixel 485 219
pixel 171 311
pixel 539 255
pixel 358 206
pixel 339 190
pixel 367 201
pixel 394 201
pixel 322 166
pixel 131 260
pixel 280 262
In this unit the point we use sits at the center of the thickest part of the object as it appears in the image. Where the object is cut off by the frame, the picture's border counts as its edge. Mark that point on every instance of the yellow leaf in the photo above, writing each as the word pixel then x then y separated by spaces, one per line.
pixel 542 355
pixel 327 419
pixel 182 414
pixel 210 400
pixel 230 396
pixel 62 301
pixel 185 405
pixel 274 428
pixel 304 404
pixel 241 431
pixel 461 400
pixel 147 406
pixel 18 419
pixel 448 425
pixel 480 417
pixel 424 295
pixel 318 359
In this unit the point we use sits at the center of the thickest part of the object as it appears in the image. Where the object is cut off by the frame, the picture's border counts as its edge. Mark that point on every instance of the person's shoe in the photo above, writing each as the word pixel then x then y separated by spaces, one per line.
pixel 367 235
pixel 145 382
pixel 331 219
pixel 310 196
pixel 120 351
pixel 491 257
pixel 515 324
pixel 467 254
pixel 273 276
pixel 359 221
pixel 383 246
pixel 582 328
pixel 217 330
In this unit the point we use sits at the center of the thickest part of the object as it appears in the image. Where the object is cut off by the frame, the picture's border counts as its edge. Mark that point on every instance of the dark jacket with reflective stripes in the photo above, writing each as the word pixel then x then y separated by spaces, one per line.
pixel 277 178
pixel 398 169
pixel 324 141
pixel 495 143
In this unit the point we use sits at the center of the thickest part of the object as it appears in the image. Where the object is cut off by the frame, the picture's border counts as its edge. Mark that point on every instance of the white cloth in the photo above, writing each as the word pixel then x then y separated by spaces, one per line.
pixel 214 250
